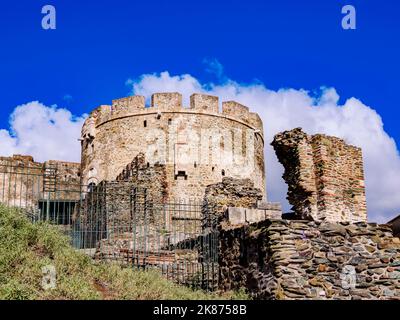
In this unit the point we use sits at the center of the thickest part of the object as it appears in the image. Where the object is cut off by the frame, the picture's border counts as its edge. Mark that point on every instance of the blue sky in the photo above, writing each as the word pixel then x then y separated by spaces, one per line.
pixel 99 45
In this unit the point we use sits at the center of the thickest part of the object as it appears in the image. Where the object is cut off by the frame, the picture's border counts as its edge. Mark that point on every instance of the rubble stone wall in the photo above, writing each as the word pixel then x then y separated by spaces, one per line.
pixel 228 193
pixel 282 259
pixel 136 203
pixel 324 174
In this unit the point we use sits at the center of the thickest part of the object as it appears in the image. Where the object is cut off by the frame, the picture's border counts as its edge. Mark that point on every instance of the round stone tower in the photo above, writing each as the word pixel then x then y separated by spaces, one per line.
pixel 198 145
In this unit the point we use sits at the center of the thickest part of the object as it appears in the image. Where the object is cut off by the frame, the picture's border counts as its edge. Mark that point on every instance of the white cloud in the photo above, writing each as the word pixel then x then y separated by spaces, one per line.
pixel 286 109
pixel 148 84
pixel 42 132
pixel 51 133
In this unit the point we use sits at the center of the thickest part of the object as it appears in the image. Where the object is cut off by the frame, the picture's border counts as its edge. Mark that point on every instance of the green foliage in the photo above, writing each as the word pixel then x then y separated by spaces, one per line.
pixel 26 247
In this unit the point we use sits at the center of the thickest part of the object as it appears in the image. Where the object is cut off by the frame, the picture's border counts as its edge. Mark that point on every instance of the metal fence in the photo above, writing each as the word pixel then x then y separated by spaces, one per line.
pixel 121 222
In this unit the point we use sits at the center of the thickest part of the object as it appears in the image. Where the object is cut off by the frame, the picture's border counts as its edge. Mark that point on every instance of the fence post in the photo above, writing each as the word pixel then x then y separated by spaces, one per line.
pixel 133 215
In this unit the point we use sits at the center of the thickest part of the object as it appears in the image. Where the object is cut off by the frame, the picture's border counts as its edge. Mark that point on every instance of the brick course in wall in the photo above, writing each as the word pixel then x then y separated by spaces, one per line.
pixel 324 174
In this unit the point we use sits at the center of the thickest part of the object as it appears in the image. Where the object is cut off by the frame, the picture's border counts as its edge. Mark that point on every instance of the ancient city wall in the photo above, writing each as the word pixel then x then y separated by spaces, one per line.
pixel 274 258
pixel 134 198
pixel 324 174
pixel 23 182
pixel 20 181
pixel 198 145
pixel 135 206
pixel 283 259
pixel 150 177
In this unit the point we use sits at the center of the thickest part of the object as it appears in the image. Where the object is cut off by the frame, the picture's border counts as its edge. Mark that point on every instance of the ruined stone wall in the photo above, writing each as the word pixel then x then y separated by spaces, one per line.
pixel 153 178
pixel 20 181
pixel 229 192
pixel 137 200
pixel 234 201
pixel 198 145
pixel 325 176
pixel 65 184
pixel 23 182
pixel 281 259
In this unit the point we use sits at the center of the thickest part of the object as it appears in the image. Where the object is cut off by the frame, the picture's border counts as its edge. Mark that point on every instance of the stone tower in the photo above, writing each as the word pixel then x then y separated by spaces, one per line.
pixel 198 145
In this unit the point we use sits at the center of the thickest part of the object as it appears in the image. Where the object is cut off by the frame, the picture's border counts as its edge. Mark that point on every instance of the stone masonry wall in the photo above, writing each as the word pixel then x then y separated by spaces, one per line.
pixel 134 207
pixel 20 178
pixel 23 181
pixel 153 178
pixel 281 259
pixel 198 144
pixel 228 193
pixel 325 176
pixel 112 208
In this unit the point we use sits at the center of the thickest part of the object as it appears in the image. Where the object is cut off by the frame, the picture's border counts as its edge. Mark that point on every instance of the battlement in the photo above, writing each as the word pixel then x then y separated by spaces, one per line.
pixel 104 113
pixel 89 126
pixel 18 157
pixel 98 115
pixel 236 110
pixel 172 102
pixel 255 121
pixel 204 102
pixel 166 101
pixel 128 105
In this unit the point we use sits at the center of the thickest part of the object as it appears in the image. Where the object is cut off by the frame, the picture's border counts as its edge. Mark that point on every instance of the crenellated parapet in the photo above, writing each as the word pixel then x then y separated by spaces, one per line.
pixel 167 101
pixel 256 122
pixel 235 109
pixel 98 115
pixel 89 127
pixel 104 113
pixel 197 143
pixel 238 111
pixel 204 103
pixel 127 105
pixel 171 102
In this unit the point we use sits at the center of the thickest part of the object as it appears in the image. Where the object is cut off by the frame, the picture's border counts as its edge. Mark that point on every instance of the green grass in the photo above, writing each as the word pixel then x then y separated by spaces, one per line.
pixel 26 247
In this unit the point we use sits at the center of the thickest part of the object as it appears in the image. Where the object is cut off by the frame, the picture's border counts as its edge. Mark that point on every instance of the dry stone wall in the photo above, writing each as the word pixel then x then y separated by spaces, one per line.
pixel 281 259
pixel 325 176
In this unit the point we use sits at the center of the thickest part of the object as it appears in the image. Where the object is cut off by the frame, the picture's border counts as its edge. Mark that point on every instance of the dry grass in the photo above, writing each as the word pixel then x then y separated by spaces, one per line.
pixel 25 248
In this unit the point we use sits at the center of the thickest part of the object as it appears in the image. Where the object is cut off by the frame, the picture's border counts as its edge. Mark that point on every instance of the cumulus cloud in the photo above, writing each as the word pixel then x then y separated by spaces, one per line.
pixel 147 84
pixel 43 132
pixel 285 109
pixel 51 132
